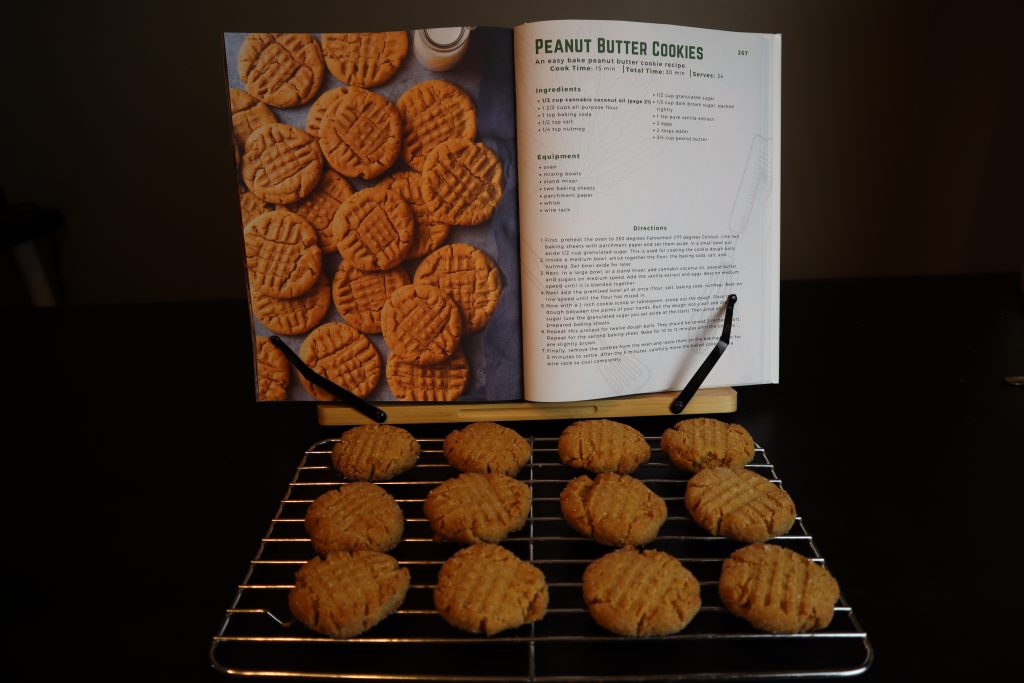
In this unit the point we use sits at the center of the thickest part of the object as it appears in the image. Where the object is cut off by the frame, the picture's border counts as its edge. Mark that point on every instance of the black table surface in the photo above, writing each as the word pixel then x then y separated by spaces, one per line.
pixel 142 475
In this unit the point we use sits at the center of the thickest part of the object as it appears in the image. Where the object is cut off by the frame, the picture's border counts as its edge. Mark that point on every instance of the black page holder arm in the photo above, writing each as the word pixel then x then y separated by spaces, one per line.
pixel 698 378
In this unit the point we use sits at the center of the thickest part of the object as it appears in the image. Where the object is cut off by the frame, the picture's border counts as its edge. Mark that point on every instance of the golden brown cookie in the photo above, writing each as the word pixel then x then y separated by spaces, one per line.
pixel 421 324
pixel 247 114
pixel 359 295
pixel 373 229
pixel 433 112
pixel 375 452
pixel 487 589
pixel 429 234
pixel 358 516
pixel 281 254
pixel 251 206
pixel 272 371
pixel 474 508
pixel 293 316
pixel 343 355
pixel 360 133
pixel 444 381
pixel 703 442
pixel 739 504
pixel 321 108
pixel 462 182
pixel 468 276
pixel 281 69
pixel 603 446
pixel 487 447
pixel 613 509
pixel 320 205
pixel 345 594
pixel 366 59
pixel 281 164
pixel 634 593
pixel 777 590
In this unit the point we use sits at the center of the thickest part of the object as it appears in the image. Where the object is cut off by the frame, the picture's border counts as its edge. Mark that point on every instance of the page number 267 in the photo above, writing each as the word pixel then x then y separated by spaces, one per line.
pixel 742 53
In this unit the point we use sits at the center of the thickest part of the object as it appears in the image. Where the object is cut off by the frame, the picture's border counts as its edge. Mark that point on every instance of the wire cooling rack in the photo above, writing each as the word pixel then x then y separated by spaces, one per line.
pixel 260 637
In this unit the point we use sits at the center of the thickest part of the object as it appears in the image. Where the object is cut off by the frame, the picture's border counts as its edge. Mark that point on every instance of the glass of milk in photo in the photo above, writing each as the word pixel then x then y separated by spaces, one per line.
pixel 440 49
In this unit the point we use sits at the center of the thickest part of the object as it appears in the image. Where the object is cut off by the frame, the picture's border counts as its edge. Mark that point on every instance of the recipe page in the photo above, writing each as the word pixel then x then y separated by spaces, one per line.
pixel 649 192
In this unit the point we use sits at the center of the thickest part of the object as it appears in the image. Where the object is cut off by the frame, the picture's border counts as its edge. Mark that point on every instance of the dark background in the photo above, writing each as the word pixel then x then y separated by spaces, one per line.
pixel 135 500
pixel 901 142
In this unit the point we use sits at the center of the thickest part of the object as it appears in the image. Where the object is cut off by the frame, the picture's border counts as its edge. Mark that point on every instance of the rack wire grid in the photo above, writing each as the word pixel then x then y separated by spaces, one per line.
pixel 260 637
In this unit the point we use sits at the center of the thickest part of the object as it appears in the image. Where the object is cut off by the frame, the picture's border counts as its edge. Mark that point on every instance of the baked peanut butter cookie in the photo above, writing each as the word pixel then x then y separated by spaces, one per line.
pixel 433 112
pixel 613 509
pixel 474 508
pixel 360 133
pixel 429 234
pixel 251 206
pixel 358 516
pixel 444 381
pixel 281 255
pixel 462 182
pixel 365 59
pixel 373 229
pixel 247 114
pixel 343 355
pixel 468 276
pixel 487 589
pixel 633 593
pixel 281 164
pixel 320 205
pixel 293 316
pixel 777 590
pixel 374 452
pixel 703 442
pixel 421 324
pixel 739 504
pixel 360 295
pixel 321 108
pixel 486 447
pixel 281 69
pixel 272 371
pixel 603 446
pixel 345 594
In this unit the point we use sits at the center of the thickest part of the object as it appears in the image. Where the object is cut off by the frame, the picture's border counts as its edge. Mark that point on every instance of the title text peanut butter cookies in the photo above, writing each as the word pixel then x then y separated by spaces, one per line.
pixel 281 69
pixel 343 355
pixel 366 59
pixel 462 182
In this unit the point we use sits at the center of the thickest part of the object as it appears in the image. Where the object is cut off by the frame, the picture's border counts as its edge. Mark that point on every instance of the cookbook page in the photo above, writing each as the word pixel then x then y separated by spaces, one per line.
pixel 649 192
pixel 357 113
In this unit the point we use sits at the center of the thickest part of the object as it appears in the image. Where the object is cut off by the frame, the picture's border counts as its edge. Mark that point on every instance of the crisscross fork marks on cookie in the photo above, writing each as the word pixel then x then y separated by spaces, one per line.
pixel 462 182
pixel 281 164
pixel 739 504
pixel 433 112
pixel 373 229
pixel 613 509
pixel 281 69
pixel 320 207
pixel 429 232
pixel 374 452
pixel 365 59
pixel 247 114
pixel 360 133
pixel 444 381
pixel 421 324
pixel 360 295
pixel 343 355
pixel 282 257
pixel 477 507
pixel 469 277
pixel 295 315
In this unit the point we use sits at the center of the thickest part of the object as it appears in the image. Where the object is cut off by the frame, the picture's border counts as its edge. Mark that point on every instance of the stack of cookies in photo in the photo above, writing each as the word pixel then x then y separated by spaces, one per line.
pixel 380 183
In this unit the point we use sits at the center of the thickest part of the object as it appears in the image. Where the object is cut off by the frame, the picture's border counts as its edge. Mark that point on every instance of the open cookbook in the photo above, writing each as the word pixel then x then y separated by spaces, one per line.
pixel 555 212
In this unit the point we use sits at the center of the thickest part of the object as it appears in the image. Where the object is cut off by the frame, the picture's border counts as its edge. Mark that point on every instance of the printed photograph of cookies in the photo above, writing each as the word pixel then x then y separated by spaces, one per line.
pixel 378 210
